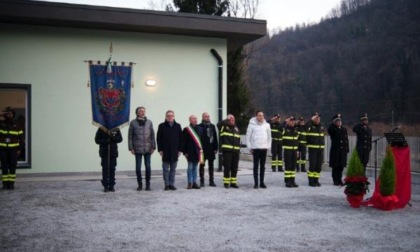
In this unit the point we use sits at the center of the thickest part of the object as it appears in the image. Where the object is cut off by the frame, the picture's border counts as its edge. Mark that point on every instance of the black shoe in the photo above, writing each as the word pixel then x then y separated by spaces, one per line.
pixel 148 188
pixel 167 188
pixel 226 185
pixel 280 169
pixel 274 169
pixel 111 189
pixel 255 187
pixel 106 190
pixel 195 186
pixel 201 183
pixel 262 185
pixel 234 186
pixel 139 188
pixel 288 184
pixel 173 188
pixel 212 184
pixel 317 184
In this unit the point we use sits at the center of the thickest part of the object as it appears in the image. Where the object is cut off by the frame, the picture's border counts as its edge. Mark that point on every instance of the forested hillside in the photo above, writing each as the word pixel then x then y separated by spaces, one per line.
pixel 364 59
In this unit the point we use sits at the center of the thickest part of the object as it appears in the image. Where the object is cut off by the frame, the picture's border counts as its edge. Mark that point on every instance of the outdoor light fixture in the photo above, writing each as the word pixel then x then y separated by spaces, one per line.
pixel 150 83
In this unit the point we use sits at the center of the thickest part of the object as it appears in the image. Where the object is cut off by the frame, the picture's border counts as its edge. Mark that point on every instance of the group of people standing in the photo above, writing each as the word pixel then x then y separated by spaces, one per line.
pixel 197 142
pixel 290 139
pixel 289 142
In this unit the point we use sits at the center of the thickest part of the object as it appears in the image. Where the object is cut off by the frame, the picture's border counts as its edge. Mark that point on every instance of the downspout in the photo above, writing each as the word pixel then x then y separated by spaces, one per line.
pixel 220 94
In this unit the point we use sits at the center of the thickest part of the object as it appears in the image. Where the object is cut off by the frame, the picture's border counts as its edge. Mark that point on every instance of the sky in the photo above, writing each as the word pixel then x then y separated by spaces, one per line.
pixel 279 14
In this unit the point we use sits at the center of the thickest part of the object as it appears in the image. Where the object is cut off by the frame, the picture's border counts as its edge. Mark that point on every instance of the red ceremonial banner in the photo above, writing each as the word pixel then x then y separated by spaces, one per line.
pixel 403 170
pixel 402 194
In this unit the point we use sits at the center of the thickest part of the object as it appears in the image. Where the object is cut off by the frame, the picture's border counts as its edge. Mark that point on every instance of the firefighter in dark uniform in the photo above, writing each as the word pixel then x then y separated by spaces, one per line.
pixel 316 144
pixel 276 143
pixel 11 145
pixel 108 151
pixel 290 146
pixel 230 144
pixel 339 149
pixel 364 140
pixel 301 160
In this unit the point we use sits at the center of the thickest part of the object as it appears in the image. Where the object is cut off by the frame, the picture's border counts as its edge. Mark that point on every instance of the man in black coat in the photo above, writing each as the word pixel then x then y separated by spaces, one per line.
pixel 210 147
pixel 108 151
pixel 339 149
pixel 169 141
pixel 364 140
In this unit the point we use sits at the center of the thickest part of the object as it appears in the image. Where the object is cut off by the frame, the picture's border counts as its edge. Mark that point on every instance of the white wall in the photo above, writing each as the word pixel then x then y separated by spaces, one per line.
pixel 51 60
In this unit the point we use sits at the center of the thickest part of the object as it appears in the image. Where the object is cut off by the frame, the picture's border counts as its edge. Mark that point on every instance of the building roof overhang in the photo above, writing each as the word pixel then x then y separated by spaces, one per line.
pixel 237 31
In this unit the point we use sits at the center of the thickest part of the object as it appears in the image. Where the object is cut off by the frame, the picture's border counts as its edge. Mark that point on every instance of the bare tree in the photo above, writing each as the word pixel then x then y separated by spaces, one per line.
pixel 159 5
pixel 244 8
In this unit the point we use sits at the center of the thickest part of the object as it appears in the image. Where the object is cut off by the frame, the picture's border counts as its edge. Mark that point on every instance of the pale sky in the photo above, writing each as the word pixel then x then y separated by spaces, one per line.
pixel 278 13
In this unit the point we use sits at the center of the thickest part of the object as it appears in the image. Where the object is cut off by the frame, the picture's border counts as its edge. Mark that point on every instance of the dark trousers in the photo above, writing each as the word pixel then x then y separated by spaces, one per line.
pixel 337 174
pixel 302 158
pixel 230 164
pixel 290 160
pixel 276 154
pixel 139 158
pixel 316 159
pixel 8 158
pixel 108 175
pixel 211 170
pixel 259 157
pixel 364 156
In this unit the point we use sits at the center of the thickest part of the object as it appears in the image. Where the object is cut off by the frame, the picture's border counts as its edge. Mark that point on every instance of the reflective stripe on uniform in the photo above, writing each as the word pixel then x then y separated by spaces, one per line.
pixel 290 147
pixel 289 174
pixel 316 146
pixel 314 134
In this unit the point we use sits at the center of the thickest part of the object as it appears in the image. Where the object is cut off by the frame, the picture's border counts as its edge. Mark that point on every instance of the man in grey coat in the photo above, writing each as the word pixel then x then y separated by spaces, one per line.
pixel 141 142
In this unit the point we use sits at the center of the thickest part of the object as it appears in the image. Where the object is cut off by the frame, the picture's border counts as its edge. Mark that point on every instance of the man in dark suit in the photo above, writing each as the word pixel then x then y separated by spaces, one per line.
pixel 169 141
pixel 364 140
pixel 210 147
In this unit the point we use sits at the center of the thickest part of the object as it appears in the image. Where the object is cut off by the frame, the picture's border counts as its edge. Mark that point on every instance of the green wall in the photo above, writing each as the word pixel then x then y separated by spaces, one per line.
pixel 52 61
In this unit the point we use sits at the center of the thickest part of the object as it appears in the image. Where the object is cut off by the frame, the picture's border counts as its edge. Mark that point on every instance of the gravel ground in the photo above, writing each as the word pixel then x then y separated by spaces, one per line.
pixel 75 215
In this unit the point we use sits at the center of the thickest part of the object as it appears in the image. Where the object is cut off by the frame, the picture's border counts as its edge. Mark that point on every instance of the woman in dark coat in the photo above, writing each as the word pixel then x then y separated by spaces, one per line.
pixel 339 149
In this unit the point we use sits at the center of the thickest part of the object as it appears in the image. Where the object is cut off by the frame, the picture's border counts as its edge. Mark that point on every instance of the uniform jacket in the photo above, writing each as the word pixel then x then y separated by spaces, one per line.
pixel 290 138
pixel 302 137
pixel 315 135
pixel 169 141
pixel 276 131
pixel 258 134
pixel 11 134
pixel 141 136
pixel 209 140
pixel 339 146
pixel 364 137
pixel 189 146
pixel 104 139
pixel 230 138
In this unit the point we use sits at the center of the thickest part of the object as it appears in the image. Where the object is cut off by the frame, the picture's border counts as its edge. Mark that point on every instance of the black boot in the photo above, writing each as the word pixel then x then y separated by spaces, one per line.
pixel 280 168
pixel 11 185
pixel 288 182
pixel 140 187
pixel 311 182
pixel 5 185
pixel 273 168
pixel 202 183
pixel 212 183
pixel 316 182
pixel 293 182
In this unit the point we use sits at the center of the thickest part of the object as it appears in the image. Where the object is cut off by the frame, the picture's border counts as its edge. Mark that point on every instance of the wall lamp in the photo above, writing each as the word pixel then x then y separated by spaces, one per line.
pixel 150 83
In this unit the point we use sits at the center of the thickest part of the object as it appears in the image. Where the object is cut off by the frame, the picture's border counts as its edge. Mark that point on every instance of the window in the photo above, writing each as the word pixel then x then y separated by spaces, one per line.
pixel 18 96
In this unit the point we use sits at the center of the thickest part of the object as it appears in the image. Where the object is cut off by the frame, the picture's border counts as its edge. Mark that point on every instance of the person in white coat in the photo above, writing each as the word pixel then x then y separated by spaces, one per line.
pixel 258 141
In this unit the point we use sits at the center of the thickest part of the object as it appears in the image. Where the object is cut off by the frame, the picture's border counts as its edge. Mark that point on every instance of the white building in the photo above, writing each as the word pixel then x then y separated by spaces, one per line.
pixel 43 74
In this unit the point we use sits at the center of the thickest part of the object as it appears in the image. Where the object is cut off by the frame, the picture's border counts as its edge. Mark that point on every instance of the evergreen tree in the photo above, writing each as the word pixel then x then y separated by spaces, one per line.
pixel 387 174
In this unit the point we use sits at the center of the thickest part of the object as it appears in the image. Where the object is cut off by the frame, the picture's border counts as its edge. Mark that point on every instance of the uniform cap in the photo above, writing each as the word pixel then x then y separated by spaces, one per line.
pixel 336 118
pixel 301 119
pixel 364 117
pixel 315 115
pixel 290 118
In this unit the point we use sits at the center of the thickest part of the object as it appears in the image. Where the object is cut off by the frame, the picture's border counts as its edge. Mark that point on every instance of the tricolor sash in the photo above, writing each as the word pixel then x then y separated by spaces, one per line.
pixel 191 131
